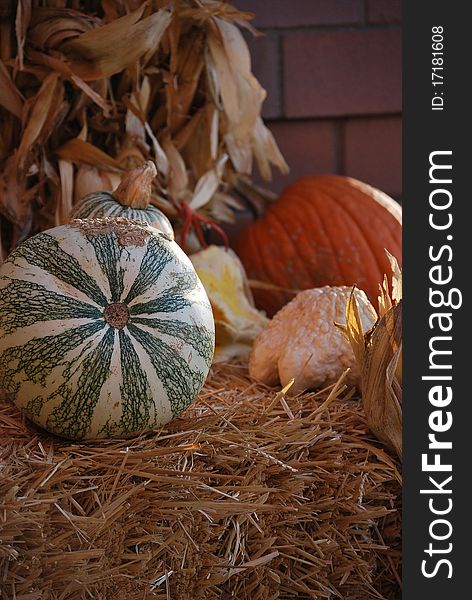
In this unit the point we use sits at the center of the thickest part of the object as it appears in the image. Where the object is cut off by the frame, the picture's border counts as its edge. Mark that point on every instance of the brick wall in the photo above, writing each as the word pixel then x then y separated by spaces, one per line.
pixel 332 70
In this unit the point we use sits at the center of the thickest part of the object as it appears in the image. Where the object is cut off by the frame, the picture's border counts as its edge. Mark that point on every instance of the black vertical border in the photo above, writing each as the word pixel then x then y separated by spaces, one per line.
pixel 425 131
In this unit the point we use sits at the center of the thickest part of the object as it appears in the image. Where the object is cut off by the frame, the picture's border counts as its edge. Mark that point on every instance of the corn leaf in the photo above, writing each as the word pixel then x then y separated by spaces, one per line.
pixel 64 205
pixel 78 151
pixel 109 49
pixel 10 97
pixel 37 116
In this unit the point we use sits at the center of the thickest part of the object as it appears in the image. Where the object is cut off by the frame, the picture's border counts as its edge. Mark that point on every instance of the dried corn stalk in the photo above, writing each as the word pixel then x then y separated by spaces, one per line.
pixel 89 91
pixel 379 356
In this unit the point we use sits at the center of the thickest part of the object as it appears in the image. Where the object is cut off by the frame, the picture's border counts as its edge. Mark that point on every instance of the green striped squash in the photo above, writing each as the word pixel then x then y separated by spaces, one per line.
pixel 105 329
pixel 131 200
pixel 103 204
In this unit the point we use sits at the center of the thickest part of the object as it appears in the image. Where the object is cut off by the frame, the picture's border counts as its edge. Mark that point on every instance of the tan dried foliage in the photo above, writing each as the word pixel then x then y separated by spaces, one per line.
pixel 379 356
pixel 249 494
pixel 91 88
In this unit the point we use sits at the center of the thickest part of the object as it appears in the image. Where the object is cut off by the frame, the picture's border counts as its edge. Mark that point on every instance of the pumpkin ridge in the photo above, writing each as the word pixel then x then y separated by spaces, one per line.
pixel 292 243
pixel 138 409
pixel 179 381
pixel 44 251
pixel 113 211
pixel 73 416
pixel 378 203
pixel 108 254
pixel 379 198
pixel 324 221
pixel 103 204
pixel 370 242
pixel 304 212
pixel 88 204
pixel 185 282
pixel 367 240
pixel 171 299
pixel 324 186
pixel 315 210
pixel 45 306
pixel 258 248
pixel 166 303
pixel 263 249
pixel 199 338
pixel 245 245
pixel 39 356
pixel 152 265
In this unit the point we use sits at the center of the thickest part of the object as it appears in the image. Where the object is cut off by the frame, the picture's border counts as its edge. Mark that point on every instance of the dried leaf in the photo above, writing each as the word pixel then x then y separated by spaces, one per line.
pixel 10 97
pixel 37 116
pixel 353 329
pixel 382 379
pixel 185 135
pixel 78 151
pixel 178 178
pixel 64 204
pixel 396 277
pixel 250 94
pixel 22 21
pixel 219 65
pixel 87 180
pixel 223 207
pixel 220 212
pixel 207 185
pixel 138 80
pixel 109 49
pixel 50 27
pixel 15 196
pixel 214 131
pixel 62 68
pixel 266 151
pixel 384 299
pixel 182 80
pixel 387 299
pixel 160 157
pixel 256 196
pixel 240 153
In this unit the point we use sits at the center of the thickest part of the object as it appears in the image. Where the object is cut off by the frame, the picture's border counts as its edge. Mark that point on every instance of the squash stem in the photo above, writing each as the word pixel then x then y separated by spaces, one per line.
pixel 136 186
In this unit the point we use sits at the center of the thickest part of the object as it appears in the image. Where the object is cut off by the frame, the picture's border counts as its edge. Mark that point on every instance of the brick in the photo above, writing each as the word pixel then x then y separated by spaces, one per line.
pixel 266 67
pixel 384 11
pixel 301 13
pixel 342 73
pixel 309 147
pixel 373 152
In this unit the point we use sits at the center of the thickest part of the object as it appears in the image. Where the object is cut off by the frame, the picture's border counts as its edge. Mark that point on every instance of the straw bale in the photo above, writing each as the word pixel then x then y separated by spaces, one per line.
pixel 247 495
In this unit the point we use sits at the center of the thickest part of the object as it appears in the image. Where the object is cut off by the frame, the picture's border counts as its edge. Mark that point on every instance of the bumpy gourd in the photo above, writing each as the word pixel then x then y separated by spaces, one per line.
pixel 131 199
pixel 105 328
pixel 302 341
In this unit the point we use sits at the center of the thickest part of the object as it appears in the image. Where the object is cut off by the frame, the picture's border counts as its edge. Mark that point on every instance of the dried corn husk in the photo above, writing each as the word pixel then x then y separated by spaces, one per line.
pixel 237 321
pixel 91 91
pixel 379 356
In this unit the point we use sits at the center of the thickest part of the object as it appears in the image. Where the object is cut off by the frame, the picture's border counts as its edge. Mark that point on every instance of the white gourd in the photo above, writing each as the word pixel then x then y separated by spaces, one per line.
pixel 105 328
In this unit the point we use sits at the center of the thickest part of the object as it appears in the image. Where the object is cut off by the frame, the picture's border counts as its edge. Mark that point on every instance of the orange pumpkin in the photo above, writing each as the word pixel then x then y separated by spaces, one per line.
pixel 323 230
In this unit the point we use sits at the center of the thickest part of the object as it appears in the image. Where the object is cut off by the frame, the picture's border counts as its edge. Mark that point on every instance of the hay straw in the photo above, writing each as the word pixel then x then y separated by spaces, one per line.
pixel 237 498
